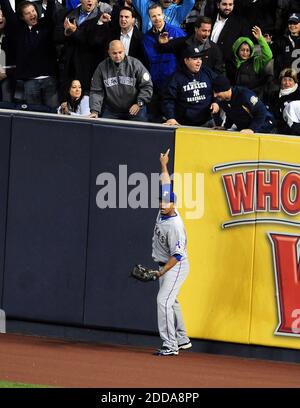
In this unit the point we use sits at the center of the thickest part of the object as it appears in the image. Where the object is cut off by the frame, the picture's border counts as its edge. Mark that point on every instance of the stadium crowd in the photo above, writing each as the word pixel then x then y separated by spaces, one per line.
pixel 227 64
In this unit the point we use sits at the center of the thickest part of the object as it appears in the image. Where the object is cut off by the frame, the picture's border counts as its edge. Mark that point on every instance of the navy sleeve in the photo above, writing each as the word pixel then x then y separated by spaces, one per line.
pixel 169 100
pixel 256 110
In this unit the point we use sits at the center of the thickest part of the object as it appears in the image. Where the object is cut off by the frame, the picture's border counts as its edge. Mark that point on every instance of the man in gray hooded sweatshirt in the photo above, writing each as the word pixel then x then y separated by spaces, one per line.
pixel 121 86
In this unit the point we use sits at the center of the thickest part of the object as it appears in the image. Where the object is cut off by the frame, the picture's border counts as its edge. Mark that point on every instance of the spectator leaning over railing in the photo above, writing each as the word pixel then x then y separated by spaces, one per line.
pixel 121 86
pixel 247 67
pixel 174 14
pixel 35 52
pixel 188 98
pixel 243 109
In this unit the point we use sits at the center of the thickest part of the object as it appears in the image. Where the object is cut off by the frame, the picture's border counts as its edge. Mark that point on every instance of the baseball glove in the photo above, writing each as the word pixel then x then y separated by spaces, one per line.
pixel 143 274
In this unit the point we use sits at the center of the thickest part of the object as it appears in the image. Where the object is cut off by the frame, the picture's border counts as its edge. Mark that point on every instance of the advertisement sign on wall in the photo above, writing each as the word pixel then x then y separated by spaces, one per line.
pixel 244 284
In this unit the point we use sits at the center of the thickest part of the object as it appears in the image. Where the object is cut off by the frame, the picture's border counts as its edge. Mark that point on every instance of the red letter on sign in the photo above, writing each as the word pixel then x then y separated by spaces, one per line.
pixel 266 189
pixel 240 194
pixel 287 274
pixel 291 182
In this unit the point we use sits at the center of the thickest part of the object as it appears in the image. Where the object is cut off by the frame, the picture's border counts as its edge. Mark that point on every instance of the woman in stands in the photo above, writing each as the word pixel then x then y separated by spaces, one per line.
pixel 248 67
pixel 75 102
pixel 289 92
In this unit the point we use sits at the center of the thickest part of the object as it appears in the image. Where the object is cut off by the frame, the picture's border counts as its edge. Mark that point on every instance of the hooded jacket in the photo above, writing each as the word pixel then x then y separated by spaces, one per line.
pixel 249 73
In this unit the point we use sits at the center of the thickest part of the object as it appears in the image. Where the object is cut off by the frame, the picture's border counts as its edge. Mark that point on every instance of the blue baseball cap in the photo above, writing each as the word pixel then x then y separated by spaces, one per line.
pixel 167 196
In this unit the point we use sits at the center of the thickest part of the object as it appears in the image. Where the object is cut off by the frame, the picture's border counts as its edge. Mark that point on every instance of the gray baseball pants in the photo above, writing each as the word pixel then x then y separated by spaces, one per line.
pixel 170 322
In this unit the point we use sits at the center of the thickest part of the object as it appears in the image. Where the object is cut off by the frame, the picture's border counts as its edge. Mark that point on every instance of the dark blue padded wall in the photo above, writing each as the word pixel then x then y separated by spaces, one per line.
pixel 119 238
pixel 47 220
pixel 66 260
pixel 5 132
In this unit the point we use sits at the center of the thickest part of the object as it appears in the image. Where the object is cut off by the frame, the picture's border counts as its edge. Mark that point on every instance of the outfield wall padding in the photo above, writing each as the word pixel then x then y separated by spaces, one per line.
pixel 120 238
pixel 47 220
pixel 5 135
pixel 67 261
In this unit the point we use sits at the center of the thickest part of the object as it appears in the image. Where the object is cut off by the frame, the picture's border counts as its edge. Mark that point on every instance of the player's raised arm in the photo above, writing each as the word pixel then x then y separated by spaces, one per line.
pixel 164 160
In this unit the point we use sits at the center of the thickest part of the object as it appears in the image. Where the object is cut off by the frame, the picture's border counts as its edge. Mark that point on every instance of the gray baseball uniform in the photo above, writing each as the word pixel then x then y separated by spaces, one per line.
pixel 169 239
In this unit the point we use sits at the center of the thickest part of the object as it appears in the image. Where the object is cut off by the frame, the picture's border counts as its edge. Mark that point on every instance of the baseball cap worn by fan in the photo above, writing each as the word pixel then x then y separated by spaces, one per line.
pixel 221 84
pixel 294 18
pixel 191 52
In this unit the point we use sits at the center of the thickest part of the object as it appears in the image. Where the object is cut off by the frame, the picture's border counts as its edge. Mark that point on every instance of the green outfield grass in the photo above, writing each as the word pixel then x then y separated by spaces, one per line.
pixel 8 384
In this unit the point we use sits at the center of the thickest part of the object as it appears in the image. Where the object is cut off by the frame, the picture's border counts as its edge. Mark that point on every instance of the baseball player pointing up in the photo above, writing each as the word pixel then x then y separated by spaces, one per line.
pixel 169 251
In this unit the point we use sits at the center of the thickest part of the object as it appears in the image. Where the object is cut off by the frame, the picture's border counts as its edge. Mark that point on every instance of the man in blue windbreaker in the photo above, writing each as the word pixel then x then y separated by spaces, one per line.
pixel 188 98
pixel 161 66
pixel 175 14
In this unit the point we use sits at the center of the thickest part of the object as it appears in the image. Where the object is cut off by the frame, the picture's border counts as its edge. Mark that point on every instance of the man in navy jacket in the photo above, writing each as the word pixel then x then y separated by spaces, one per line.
pixel 242 108
pixel 189 96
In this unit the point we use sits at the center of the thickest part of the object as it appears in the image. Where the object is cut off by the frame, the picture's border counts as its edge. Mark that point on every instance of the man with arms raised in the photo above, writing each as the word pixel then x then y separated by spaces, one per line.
pixel 169 251
pixel 35 52
pixel 174 14
pixel 83 36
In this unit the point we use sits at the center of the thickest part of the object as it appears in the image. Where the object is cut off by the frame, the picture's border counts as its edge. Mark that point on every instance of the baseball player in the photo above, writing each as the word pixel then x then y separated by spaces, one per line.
pixel 169 251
